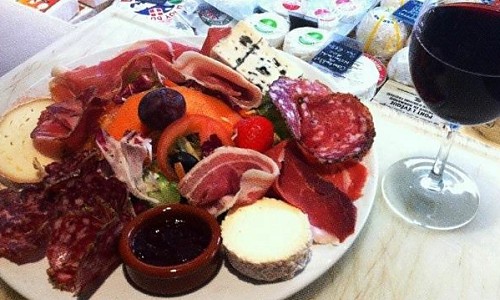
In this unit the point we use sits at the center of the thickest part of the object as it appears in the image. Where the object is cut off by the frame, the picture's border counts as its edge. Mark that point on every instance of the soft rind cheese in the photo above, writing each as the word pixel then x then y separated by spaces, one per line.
pixel 247 52
pixel 18 155
pixel 268 240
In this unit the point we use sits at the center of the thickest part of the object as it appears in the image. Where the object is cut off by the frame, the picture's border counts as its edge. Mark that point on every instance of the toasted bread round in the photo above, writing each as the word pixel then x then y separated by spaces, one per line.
pixel 268 240
pixel 20 161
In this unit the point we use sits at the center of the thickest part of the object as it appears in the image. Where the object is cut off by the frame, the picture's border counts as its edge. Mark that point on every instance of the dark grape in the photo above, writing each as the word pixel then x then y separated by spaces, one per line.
pixel 187 160
pixel 160 107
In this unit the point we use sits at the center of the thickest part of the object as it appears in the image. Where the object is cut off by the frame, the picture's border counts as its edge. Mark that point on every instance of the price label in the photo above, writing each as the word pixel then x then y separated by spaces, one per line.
pixel 338 56
pixel 408 13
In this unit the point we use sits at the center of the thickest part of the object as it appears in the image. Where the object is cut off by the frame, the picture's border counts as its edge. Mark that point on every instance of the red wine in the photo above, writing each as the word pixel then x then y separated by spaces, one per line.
pixel 455 62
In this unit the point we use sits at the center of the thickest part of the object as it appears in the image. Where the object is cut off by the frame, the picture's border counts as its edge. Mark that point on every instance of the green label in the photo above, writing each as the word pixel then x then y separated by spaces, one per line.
pixel 311 38
pixel 174 1
pixel 266 25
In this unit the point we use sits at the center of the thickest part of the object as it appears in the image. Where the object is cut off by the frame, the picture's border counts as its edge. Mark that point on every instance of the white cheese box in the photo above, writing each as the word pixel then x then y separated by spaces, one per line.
pixel 306 42
pixel 360 80
pixel 271 26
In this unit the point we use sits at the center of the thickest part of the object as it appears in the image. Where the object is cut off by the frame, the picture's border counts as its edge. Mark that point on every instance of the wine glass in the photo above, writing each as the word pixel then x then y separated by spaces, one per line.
pixel 455 66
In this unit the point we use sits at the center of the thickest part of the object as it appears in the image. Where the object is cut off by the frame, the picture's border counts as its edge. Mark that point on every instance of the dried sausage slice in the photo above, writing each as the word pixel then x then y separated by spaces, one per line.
pixel 330 127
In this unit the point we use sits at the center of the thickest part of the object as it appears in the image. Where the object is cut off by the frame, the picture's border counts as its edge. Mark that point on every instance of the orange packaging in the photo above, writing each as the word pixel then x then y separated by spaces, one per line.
pixel 41 5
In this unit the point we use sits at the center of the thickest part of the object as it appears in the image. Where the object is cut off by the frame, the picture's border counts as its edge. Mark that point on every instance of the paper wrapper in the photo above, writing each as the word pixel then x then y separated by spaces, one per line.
pixel 398 68
pixel 381 34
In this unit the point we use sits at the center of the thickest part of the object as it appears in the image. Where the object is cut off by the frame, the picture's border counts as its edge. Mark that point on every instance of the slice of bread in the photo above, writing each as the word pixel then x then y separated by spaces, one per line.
pixel 20 161
pixel 268 240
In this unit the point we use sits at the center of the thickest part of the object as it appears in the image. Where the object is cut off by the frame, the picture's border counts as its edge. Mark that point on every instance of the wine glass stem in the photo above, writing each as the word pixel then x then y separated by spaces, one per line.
pixel 435 179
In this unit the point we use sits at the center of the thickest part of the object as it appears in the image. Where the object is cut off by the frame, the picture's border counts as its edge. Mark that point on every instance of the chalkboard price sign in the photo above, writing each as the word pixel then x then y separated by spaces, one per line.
pixel 336 57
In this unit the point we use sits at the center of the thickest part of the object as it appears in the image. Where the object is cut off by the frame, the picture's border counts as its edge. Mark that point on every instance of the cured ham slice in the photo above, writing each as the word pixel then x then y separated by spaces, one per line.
pixel 214 35
pixel 111 78
pixel 331 213
pixel 229 176
pixel 65 126
pixel 329 127
pixel 216 76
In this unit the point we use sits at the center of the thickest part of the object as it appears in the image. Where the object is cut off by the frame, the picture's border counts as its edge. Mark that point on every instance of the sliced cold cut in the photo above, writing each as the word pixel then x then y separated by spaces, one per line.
pixel 331 213
pixel 329 127
pixel 228 176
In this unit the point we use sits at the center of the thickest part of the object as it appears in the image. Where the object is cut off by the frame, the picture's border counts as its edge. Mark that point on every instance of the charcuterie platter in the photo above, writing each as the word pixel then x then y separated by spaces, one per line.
pixel 31 280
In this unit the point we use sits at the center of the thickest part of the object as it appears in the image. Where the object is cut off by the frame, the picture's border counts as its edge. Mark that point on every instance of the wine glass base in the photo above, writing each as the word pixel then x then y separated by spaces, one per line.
pixel 410 193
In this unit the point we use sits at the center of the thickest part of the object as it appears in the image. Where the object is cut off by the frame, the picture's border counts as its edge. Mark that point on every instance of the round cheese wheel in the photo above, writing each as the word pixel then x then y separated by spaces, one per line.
pixel 271 26
pixel 305 42
pixel 381 34
pixel 19 159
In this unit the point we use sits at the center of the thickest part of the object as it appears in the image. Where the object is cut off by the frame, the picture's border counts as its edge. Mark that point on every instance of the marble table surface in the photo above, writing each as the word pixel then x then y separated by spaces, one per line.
pixel 390 259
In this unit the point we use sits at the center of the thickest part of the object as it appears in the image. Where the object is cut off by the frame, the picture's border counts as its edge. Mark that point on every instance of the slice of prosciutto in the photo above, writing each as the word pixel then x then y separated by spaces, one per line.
pixel 228 177
pixel 330 211
pixel 138 64
pixel 216 76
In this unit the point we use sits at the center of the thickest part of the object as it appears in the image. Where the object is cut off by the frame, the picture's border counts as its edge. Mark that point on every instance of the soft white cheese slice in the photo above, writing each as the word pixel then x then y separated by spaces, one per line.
pixel 268 240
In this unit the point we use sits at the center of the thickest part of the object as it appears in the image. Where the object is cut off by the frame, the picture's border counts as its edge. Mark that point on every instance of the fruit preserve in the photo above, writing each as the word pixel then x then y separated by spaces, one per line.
pixel 172 241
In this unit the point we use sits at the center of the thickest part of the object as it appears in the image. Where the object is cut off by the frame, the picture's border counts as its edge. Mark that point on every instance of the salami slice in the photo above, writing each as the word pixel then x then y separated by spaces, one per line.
pixel 24 225
pixel 329 127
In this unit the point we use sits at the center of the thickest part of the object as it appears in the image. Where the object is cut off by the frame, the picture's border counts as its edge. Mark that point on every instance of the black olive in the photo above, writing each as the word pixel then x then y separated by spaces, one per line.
pixel 187 160
pixel 160 107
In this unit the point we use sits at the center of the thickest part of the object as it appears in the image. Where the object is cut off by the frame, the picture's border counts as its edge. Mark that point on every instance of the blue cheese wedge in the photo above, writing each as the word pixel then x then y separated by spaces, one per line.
pixel 263 66
pixel 249 54
pixel 268 240
pixel 233 49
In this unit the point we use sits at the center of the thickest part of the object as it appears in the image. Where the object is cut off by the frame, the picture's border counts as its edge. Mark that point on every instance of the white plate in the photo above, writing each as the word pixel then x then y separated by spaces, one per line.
pixel 31 280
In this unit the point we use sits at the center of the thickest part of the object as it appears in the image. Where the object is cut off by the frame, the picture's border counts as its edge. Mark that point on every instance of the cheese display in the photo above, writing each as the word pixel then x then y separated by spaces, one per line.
pixel 398 68
pixel 381 34
pixel 246 51
pixel 271 26
pixel 360 80
pixel 268 240
pixel 305 42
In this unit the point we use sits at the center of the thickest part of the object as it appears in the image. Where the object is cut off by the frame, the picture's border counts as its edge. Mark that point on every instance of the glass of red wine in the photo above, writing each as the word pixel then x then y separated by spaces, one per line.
pixel 455 66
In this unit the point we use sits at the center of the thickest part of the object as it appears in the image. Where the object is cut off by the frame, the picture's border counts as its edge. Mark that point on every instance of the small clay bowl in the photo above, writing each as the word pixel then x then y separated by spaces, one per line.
pixel 161 276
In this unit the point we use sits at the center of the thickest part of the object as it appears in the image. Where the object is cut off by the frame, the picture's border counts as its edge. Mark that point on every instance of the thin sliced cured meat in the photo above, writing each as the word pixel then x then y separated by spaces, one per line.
pixel 229 176
pixel 329 127
pixel 66 126
pixel 214 35
pixel 349 177
pixel 24 225
pixel 110 77
pixel 330 212
pixel 74 216
pixel 216 76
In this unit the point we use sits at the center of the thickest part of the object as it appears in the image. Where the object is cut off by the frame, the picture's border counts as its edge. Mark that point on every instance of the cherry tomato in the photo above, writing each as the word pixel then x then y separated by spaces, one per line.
pixel 255 132
pixel 204 126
